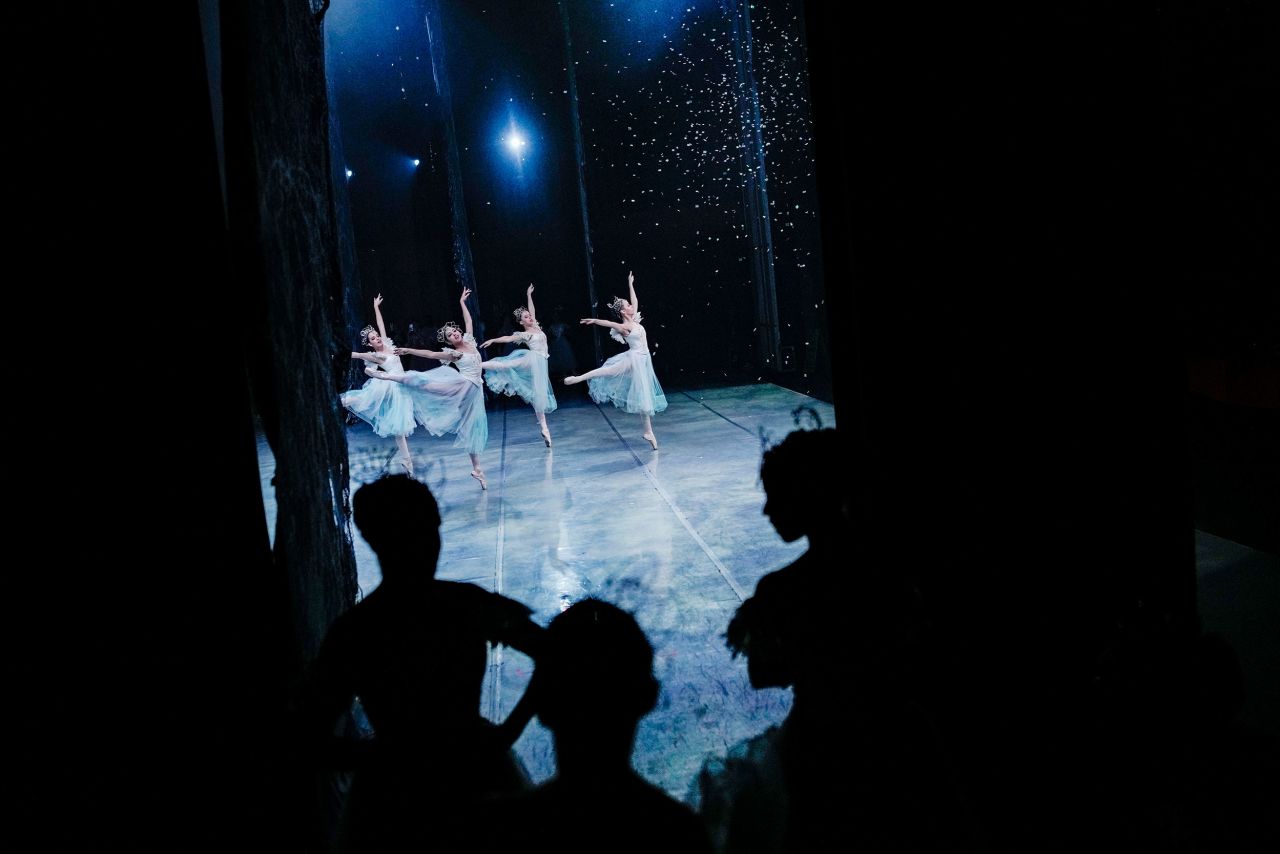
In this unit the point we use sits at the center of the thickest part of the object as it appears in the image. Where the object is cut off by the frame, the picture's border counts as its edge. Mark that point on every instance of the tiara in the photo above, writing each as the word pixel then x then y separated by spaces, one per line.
pixel 442 334
pixel 519 311
pixel 364 335
pixel 617 304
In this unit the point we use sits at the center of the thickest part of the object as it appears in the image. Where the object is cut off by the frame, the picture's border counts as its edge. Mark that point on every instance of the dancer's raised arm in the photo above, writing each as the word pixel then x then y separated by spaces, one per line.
pixel 528 295
pixel 377 316
pixel 631 286
pixel 466 315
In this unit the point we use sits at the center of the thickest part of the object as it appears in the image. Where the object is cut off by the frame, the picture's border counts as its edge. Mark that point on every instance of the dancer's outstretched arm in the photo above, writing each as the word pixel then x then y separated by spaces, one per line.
pixel 368 356
pixel 428 354
pixel 631 286
pixel 528 295
pixel 466 315
pixel 596 321
pixel 505 339
pixel 377 316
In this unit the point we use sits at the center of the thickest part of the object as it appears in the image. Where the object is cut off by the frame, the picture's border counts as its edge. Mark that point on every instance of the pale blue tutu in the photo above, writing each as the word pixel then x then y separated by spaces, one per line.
pixel 523 374
pixel 386 406
pixel 628 382
pixel 444 401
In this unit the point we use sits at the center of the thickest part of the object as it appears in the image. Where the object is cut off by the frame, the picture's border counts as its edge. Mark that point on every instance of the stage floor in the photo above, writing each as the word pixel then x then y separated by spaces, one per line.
pixel 675 536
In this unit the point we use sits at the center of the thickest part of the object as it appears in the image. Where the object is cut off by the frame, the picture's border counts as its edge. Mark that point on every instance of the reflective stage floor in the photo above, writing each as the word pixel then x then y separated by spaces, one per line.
pixel 676 536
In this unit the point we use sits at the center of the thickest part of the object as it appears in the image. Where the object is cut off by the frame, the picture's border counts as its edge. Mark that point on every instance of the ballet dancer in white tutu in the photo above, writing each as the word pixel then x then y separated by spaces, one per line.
pixel 627 379
pixel 448 401
pixel 524 372
pixel 386 407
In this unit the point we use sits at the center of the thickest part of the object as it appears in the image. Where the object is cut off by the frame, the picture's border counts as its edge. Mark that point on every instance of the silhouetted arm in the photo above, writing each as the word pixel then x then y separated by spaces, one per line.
pixel 509 730
pixel 319 708
pixel 516 630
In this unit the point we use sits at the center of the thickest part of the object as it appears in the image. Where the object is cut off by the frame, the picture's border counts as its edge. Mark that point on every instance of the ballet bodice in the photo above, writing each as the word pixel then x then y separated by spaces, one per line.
pixel 535 341
pixel 468 361
pixel 636 340
pixel 391 363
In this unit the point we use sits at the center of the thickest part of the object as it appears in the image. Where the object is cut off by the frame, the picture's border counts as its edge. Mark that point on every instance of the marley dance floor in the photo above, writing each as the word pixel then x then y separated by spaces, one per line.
pixel 675 536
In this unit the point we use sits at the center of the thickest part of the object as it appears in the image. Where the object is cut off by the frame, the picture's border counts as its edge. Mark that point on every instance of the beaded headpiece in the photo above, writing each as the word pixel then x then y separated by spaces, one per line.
pixel 442 334
pixel 519 311
pixel 364 335
pixel 616 305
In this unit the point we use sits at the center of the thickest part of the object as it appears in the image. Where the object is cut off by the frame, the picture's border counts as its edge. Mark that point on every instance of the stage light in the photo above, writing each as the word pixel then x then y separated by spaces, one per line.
pixel 515 142
pixel 416 161
pixel 350 173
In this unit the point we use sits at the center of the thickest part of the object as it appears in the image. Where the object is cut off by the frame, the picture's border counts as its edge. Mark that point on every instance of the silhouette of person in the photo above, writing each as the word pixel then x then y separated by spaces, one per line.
pixel 414 653
pixel 594 682
pixel 838 630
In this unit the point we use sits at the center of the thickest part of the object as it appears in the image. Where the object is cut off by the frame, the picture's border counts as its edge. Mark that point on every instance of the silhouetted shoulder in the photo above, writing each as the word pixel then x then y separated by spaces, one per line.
pixel 494 614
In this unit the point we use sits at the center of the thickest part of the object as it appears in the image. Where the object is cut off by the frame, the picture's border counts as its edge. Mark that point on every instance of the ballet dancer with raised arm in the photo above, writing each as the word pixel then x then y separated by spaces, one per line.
pixel 448 401
pixel 386 407
pixel 524 372
pixel 627 380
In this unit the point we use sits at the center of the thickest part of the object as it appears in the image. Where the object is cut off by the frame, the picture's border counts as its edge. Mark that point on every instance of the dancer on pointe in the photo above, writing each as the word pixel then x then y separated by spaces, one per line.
pixel 627 380
pixel 445 400
pixel 387 407
pixel 524 372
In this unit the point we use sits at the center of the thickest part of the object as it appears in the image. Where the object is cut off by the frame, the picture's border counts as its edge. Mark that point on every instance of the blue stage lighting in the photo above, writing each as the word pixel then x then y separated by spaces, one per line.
pixel 515 142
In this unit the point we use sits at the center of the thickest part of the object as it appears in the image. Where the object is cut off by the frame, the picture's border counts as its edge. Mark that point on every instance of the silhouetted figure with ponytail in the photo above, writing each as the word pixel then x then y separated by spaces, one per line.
pixel 860 764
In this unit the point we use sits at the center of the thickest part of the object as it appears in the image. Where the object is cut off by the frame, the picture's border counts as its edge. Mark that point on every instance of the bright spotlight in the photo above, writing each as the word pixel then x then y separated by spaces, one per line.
pixel 350 173
pixel 416 161
pixel 515 142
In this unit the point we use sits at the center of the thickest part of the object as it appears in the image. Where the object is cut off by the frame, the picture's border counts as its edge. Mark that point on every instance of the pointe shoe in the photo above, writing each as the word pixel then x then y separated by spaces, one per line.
pixel 546 438
pixel 572 380
pixel 479 475
pixel 406 463
pixel 651 439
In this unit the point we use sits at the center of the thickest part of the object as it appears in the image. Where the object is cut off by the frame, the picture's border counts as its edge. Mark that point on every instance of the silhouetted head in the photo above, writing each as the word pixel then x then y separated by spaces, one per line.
pixel 595 670
pixel 805 490
pixel 399 518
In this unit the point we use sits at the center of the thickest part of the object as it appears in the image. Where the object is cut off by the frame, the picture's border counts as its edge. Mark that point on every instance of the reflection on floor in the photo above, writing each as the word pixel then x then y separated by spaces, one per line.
pixel 675 536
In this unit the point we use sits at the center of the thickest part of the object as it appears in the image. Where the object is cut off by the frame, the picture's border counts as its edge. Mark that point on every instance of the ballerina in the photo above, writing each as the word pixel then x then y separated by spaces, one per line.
pixel 627 380
pixel 387 408
pixel 445 400
pixel 524 372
